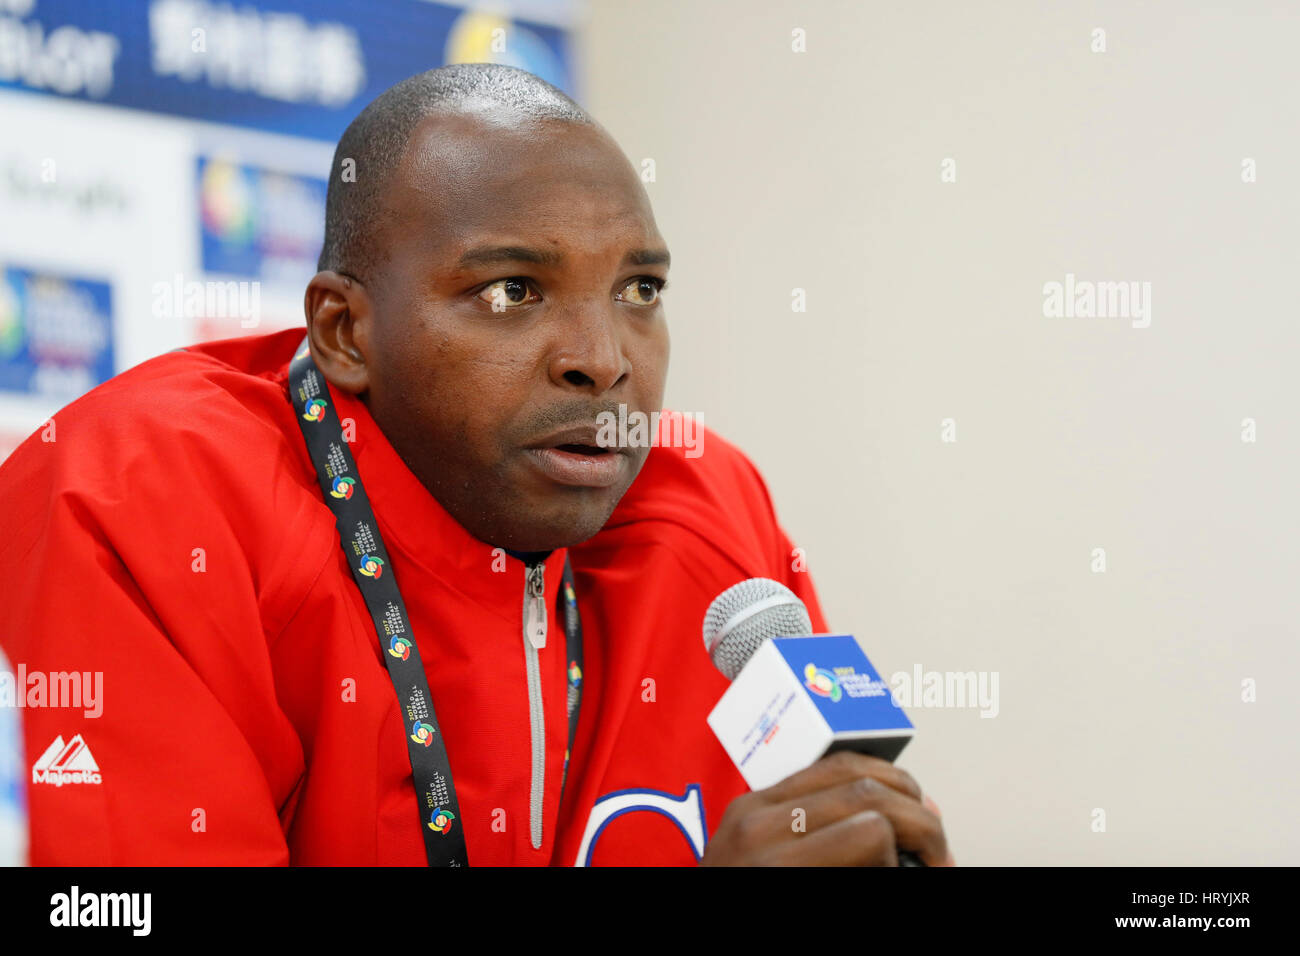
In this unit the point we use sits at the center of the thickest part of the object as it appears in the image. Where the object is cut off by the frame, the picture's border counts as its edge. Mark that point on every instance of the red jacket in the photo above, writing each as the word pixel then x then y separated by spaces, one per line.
pixel 173 537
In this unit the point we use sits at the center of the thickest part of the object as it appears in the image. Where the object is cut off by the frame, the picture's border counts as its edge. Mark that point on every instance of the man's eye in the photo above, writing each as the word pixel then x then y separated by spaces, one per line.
pixel 508 293
pixel 643 290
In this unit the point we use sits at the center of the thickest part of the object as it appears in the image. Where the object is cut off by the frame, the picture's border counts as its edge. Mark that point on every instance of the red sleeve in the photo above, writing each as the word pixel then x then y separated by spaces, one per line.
pixel 175 781
pixel 151 730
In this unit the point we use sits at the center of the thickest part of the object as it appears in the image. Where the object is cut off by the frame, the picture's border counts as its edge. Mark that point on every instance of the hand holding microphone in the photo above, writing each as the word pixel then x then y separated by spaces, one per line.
pixel 856 810
pixel 814 731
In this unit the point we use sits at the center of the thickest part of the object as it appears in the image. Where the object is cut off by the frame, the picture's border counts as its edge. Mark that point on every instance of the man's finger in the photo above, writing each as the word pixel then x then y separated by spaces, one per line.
pixel 841 767
pixel 864 839
pixel 916 827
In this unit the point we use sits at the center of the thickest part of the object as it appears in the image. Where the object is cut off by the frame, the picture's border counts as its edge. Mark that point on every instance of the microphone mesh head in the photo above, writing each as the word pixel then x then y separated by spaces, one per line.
pixel 747 614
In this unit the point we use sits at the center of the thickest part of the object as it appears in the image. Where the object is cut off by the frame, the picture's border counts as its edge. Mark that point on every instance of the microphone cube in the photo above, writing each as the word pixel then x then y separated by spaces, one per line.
pixel 800 698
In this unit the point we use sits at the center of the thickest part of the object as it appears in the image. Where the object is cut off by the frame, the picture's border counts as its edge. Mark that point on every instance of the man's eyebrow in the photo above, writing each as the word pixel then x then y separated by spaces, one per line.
pixel 488 255
pixel 647 257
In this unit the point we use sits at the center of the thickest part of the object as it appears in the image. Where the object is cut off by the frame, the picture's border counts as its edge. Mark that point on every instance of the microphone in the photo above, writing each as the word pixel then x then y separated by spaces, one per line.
pixel 794 697
pixel 745 615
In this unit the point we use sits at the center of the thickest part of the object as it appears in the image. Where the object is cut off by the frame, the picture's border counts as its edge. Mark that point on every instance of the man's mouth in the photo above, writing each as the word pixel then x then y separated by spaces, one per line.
pixel 577 449
pixel 572 457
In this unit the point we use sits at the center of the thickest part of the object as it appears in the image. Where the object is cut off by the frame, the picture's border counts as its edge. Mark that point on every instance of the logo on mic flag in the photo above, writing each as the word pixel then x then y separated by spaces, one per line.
pixel 783 711
pixel 822 682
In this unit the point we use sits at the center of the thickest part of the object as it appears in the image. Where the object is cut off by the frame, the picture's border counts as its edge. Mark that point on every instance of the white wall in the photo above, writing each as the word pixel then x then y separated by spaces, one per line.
pixel 1119 690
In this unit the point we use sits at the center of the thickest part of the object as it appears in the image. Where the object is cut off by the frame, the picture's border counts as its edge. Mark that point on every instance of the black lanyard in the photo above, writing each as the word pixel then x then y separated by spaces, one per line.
pixel 439 811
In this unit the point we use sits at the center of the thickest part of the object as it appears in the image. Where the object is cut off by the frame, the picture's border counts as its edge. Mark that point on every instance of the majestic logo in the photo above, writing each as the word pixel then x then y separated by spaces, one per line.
pixel 342 487
pixel 371 566
pixel 575 674
pixel 400 647
pixel 315 409
pixel 441 820
pixel 422 733
pixel 822 682
pixel 65 764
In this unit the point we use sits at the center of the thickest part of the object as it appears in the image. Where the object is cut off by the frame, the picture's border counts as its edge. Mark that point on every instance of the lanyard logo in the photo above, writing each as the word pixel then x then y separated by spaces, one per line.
pixel 314 409
pixel 422 733
pixel 440 821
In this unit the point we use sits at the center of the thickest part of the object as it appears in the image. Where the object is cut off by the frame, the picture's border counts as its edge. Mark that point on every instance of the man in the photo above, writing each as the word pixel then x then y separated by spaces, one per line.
pixel 489 286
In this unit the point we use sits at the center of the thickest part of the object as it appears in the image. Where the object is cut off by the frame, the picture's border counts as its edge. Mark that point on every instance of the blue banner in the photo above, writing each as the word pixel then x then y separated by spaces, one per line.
pixel 303 67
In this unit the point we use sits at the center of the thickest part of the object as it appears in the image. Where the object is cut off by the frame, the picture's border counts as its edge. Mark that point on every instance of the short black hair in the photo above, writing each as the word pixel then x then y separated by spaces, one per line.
pixel 377 139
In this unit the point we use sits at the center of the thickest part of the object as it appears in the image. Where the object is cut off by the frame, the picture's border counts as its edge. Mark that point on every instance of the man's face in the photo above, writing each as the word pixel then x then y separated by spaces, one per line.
pixel 495 410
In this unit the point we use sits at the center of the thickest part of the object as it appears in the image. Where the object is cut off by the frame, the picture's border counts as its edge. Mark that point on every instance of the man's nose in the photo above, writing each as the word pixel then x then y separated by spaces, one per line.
pixel 588 350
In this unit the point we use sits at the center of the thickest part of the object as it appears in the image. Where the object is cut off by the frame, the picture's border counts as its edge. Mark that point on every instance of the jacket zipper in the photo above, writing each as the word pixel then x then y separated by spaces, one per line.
pixel 535 640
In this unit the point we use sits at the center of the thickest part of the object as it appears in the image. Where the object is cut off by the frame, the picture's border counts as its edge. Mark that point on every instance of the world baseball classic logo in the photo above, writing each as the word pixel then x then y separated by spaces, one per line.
pixel 422 733
pixel 440 820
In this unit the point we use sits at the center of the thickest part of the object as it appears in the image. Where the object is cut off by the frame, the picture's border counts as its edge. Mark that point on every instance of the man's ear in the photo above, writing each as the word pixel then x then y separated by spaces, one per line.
pixel 339 326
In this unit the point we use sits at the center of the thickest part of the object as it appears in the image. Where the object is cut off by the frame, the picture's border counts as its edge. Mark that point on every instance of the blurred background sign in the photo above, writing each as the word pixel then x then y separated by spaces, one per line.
pixel 285 66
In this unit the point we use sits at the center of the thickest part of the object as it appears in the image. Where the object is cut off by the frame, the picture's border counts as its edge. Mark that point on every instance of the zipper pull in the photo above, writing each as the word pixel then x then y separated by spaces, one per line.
pixel 535 598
